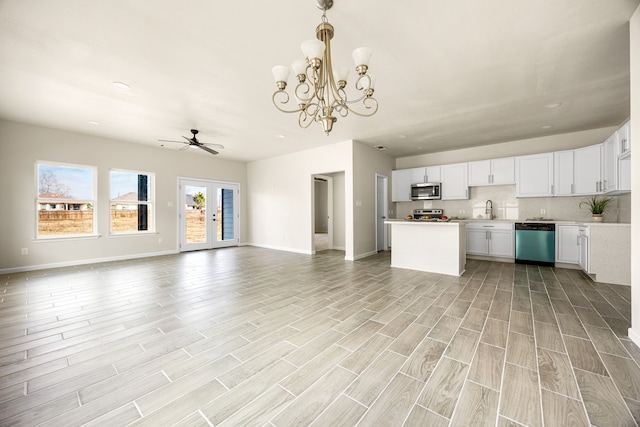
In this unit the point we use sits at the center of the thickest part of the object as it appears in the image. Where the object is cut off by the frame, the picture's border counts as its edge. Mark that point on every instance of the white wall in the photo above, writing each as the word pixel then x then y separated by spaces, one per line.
pixel 634 331
pixel 22 145
pixel 367 162
pixel 339 225
pixel 280 197
pixel 545 144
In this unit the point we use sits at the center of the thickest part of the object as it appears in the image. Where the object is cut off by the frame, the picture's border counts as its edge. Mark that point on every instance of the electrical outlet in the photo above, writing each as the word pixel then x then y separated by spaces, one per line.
pixel 25 251
pixel 160 240
pixel 461 211
pixel 543 211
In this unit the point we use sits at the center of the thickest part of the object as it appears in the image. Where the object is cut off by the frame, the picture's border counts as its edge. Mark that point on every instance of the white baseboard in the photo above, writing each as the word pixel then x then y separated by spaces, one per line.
pixel 83 262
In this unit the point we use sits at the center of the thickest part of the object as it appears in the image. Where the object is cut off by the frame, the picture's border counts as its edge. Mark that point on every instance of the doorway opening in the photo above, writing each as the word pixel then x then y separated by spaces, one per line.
pixel 209 215
pixel 322 213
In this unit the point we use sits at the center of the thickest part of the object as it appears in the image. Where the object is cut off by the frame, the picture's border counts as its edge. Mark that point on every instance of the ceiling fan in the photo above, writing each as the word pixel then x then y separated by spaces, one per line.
pixel 193 142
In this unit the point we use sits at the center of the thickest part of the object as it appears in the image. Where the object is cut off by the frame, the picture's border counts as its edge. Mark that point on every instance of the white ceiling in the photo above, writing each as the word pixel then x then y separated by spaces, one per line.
pixel 450 74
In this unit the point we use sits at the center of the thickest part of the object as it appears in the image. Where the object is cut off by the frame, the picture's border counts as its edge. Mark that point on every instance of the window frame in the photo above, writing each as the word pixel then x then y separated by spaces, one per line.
pixel 150 203
pixel 55 201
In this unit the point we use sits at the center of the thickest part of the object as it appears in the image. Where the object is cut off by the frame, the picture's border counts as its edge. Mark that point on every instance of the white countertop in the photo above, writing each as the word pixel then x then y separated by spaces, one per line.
pixel 555 221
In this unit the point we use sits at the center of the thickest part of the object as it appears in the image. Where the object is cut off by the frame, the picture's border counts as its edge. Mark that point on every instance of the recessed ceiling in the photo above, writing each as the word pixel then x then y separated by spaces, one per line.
pixel 450 74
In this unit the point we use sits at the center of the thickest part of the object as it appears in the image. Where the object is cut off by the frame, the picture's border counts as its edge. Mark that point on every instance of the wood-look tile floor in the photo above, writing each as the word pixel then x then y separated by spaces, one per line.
pixel 251 336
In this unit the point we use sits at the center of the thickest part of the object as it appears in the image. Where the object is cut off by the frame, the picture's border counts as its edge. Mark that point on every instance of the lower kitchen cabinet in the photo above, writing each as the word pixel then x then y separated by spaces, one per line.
pixel 567 244
pixel 490 239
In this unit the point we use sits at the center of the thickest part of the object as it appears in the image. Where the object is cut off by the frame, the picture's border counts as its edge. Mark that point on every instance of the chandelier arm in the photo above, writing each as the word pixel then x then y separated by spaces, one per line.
pixel 275 102
pixel 374 107
pixel 302 90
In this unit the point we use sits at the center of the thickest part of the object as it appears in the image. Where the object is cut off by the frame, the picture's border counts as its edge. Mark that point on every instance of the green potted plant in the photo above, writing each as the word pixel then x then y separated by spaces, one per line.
pixel 596 206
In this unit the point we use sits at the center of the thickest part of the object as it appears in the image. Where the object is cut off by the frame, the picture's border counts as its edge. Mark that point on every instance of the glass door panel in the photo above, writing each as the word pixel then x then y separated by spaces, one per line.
pixel 208 214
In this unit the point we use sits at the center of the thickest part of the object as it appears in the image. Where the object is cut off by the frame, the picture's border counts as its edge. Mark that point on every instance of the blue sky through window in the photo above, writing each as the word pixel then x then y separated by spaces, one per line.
pixel 76 182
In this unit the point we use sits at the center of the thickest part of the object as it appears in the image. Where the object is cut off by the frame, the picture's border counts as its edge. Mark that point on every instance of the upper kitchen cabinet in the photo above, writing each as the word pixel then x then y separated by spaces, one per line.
pixel 610 153
pixel 563 173
pixel 401 185
pixel 492 172
pixel 454 182
pixel 587 170
pixel 428 174
pixel 534 175
pixel 624 135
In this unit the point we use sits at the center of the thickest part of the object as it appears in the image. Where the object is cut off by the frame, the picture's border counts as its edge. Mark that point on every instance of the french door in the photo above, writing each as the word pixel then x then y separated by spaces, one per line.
pixel 209 215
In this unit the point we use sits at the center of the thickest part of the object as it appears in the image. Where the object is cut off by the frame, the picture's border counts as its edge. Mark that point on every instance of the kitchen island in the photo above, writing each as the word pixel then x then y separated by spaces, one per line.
pixel 435 247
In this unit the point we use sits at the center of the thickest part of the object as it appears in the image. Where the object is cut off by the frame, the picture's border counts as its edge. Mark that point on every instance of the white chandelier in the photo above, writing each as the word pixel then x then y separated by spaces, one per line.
pixel 320 89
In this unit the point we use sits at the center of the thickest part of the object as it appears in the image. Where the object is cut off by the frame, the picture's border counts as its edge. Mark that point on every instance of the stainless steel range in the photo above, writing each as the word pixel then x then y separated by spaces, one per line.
pixel 433 215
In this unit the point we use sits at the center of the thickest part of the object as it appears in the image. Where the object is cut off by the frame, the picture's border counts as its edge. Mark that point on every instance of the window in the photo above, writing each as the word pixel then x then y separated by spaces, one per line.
pixel 66 200
pixel 132 196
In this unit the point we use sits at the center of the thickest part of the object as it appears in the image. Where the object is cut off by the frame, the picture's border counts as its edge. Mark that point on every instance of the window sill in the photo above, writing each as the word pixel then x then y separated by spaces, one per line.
pixel 132 234
pixel 65 238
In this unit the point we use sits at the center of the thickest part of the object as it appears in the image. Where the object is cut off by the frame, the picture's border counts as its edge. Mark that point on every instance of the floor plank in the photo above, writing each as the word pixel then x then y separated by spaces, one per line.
pixel 252 336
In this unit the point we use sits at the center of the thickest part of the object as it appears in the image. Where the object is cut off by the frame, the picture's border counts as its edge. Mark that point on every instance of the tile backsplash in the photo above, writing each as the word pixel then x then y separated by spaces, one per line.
pixel 507 206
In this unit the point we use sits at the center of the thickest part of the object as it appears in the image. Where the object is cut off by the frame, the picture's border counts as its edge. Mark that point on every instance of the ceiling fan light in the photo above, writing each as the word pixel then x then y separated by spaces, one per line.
pixel 362 56
pixel 312 49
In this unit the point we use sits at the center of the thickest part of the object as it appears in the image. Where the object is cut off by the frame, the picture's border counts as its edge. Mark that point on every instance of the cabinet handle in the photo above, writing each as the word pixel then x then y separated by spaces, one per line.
pixel 604 185
pixel 571 189
pixel 489 178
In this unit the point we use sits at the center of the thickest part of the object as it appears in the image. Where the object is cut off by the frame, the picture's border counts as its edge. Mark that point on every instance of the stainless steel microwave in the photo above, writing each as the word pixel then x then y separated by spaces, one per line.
pixel 425 191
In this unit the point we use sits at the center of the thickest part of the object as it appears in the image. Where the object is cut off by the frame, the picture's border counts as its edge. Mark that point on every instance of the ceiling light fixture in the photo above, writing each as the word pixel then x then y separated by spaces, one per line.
pixel 121 86
pixel 554 105
pixel 320 90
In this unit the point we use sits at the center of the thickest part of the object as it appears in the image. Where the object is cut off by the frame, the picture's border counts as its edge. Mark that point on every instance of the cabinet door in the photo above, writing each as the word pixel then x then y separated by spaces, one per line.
pixel 610 164
pixel 418 175
pixel 401 185
pixel 624 173
pixel 479 172
pixel 503 171
pixel 563 173
pixel 624 134
pixel 568 247
pixel 587 170
pixel 534 175
pixel 501 243
pixel 477 242
pixel 433 174
pixel 583 258
pixel 454 182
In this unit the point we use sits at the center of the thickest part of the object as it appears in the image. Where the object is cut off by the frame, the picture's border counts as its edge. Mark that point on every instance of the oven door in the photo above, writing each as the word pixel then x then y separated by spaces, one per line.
pixel 425 191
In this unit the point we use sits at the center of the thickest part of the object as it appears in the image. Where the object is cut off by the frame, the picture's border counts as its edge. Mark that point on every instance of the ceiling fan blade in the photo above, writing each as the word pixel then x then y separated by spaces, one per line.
pixel 186 147
pixel 168 140
pixel 208 150
pixel 212 145
pixel 188 140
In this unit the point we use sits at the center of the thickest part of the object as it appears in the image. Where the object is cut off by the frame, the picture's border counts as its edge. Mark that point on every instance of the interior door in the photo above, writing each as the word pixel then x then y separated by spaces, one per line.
pixel 209 215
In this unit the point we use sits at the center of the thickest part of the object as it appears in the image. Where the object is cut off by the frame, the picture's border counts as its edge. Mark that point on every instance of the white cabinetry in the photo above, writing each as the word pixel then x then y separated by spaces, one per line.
pixel 454 182
pixel 567 244
pixel 491 239
pixel 492 172
pixel 401 185
pixel 610 152
pixel 624 134
pixel 563 173
pixel 587 170
pixel 534 175
pixel 583 251
pixel 428 174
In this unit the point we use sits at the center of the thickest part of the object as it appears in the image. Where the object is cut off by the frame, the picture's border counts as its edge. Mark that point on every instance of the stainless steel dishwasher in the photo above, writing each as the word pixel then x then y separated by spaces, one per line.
pixel 535 243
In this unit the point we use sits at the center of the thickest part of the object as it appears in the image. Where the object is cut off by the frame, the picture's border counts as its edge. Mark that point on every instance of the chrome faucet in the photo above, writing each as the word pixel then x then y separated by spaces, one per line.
pixel 488 209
